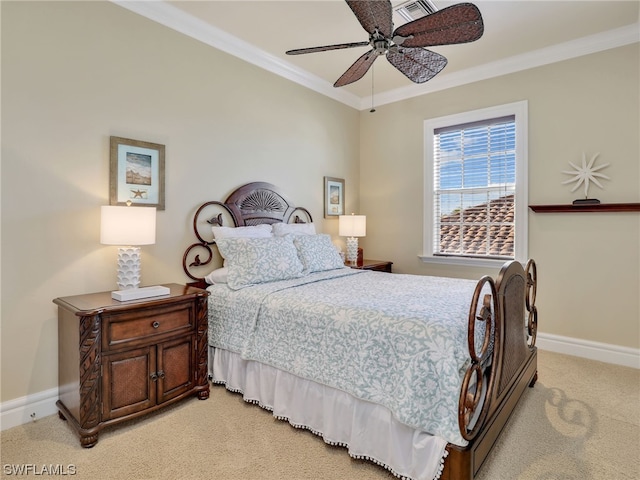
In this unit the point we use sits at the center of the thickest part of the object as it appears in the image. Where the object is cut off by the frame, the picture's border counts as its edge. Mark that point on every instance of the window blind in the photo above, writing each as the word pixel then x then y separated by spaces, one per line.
pixel 474 188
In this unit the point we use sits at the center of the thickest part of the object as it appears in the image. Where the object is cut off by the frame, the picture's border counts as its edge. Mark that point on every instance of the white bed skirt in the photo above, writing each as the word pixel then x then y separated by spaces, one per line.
pixel 367 430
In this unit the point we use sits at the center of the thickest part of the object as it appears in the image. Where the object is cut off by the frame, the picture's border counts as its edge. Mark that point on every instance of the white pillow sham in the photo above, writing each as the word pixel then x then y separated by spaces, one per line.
pixel 251 261
pixel 317 253
pixel 252 231
pixel 219 275
pixel 281 229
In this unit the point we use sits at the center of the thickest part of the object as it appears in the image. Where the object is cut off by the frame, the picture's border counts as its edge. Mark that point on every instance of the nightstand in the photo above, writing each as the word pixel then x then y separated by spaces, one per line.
pixel 120 360
pixel 377 265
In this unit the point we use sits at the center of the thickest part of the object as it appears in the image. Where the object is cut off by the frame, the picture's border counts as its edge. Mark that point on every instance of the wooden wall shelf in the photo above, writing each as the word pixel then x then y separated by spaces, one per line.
pixel 598 207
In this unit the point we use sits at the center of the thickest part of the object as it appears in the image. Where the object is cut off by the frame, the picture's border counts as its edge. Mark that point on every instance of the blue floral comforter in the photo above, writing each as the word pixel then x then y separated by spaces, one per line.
pixel 392 339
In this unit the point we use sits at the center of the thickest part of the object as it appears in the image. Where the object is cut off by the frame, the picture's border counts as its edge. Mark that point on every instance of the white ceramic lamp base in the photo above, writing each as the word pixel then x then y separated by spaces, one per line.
pixel 128 267
pixel 129 261
pixel 352 249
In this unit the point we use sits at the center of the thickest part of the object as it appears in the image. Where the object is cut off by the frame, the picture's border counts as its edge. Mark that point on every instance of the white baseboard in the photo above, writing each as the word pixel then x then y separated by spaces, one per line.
pixel 603 352
pixel 32 407
pixel 28 409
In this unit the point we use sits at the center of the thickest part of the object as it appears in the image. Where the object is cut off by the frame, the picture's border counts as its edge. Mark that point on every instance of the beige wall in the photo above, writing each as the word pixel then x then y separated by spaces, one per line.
pixel 588 264
pixel 75 73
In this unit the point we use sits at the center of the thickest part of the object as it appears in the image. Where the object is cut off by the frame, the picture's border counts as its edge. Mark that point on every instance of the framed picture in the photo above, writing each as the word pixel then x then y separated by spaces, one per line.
pixel 136 173
pixel 333 197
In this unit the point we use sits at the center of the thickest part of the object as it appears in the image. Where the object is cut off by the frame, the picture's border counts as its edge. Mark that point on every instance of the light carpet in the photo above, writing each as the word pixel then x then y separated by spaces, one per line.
pixel 579 422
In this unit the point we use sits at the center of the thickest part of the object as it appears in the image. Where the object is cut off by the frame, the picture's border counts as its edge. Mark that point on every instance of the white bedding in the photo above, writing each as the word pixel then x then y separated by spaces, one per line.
pixel 367 430
pixel 394 345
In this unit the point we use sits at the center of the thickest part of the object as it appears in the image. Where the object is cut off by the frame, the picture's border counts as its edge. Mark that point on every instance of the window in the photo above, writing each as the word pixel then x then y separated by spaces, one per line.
pixel 476 186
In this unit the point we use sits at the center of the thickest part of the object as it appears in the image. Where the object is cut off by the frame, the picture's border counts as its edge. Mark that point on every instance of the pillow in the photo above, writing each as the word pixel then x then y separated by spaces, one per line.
pixel 219 275
pixel 281 229
pixel 253 231
pixel 317 253
pixel 257 260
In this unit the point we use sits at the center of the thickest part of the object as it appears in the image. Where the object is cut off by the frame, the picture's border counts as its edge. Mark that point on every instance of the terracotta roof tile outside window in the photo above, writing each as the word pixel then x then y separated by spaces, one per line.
pixel 485 229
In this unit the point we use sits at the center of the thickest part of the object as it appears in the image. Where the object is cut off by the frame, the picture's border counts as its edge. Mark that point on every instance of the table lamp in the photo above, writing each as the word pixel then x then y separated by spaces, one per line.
pixel 128 227
pixel 352 226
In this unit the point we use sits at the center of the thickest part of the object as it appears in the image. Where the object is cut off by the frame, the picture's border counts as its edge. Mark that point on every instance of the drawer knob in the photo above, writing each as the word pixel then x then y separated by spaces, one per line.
pixel 155 324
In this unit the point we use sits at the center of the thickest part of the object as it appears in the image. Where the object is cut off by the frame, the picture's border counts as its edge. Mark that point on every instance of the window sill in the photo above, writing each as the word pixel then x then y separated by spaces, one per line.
pixel 465 262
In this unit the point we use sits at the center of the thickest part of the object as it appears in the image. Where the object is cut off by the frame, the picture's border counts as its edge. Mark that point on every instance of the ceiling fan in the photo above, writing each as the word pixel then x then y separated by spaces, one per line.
pixel 460 23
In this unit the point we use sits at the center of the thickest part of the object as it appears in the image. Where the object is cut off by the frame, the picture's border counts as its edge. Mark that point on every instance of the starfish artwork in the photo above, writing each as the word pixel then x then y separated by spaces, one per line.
pixel 139 193
pixel 585 174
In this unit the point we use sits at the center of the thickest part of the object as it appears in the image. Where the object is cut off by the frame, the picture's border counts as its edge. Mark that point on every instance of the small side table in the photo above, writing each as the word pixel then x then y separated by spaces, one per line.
pixel 120 360
pixel 376 265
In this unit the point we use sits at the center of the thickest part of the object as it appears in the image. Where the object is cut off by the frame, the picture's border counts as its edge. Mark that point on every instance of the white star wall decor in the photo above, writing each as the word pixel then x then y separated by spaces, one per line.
pixel 585 174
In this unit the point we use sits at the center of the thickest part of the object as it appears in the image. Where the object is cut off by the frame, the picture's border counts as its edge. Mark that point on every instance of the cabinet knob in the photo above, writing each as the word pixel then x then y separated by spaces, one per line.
pixel 154 376
pixel 155 324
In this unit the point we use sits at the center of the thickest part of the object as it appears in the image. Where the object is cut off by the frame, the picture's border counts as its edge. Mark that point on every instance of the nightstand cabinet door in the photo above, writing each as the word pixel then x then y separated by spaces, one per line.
pixel 135 380
pixel 127 383
pixel 176 367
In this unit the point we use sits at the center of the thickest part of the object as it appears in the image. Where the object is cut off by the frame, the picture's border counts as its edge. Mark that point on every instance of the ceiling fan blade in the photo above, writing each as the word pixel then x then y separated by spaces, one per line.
pixel 459 23
pixel 417 64
pixel 373 14
pixel 356 71
pixel 300 51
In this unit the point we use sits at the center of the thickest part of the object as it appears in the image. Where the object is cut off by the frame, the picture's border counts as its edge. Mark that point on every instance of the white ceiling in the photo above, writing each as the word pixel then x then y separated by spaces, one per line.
pixel 517 35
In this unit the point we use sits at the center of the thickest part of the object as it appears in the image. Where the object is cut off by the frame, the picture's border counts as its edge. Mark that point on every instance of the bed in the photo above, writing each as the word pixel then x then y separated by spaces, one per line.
pixel 418 374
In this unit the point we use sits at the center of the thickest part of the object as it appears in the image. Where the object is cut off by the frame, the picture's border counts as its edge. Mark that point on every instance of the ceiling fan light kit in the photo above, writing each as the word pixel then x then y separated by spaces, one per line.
pixel 404 47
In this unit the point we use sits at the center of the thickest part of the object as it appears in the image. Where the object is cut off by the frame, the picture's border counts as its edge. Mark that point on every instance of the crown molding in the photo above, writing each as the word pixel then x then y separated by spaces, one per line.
pixel 176 19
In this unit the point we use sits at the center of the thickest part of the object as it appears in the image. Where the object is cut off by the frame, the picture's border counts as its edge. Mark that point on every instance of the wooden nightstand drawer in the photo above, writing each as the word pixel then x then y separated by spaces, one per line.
pixel 144 326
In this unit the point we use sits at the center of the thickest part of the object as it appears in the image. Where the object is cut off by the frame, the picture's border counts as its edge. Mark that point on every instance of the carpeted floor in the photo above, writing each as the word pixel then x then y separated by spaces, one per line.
pixel 580 422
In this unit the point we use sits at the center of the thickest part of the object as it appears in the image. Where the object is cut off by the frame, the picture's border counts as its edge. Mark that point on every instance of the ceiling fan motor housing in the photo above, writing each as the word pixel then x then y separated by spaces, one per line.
pixel 379 43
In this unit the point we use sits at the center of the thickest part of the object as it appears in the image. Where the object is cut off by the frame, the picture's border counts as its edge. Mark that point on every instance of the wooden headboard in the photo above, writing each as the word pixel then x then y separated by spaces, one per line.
pixel 251 204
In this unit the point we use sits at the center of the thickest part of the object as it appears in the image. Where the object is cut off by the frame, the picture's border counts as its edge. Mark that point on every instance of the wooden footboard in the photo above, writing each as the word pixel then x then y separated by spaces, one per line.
pixel 500 369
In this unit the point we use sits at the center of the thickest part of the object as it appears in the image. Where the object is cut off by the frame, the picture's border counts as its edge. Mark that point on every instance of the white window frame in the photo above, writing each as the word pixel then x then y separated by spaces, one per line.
pixel 520 110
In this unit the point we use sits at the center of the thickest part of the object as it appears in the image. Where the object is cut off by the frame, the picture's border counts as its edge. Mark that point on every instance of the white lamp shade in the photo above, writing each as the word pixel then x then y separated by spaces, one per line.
pixel 127 225
pixel 352 225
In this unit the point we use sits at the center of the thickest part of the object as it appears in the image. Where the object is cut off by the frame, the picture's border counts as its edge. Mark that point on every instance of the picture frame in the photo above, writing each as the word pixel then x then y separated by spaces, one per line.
pixel 136 175
pixel 333 197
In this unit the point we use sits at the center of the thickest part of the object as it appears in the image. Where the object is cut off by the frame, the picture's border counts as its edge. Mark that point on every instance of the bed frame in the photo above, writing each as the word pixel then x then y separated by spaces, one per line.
pixel 505 365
